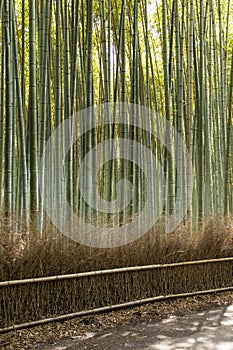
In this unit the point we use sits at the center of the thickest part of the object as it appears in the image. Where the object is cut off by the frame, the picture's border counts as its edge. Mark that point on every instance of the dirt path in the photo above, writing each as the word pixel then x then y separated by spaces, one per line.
pixel 209 329
pixel 176 324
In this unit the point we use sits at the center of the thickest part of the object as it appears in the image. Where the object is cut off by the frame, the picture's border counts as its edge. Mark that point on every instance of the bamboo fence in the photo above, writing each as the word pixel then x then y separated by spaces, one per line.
pixel 30 302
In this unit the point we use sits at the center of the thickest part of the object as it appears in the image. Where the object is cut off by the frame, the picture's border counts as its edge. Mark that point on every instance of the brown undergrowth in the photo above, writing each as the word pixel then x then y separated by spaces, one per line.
pixel 27 256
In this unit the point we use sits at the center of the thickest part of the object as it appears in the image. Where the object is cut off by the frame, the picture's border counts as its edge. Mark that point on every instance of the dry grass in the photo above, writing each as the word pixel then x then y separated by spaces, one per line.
pixel 27 256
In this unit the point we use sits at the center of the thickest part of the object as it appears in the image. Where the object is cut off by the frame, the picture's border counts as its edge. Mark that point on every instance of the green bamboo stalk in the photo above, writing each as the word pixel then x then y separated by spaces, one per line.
pixel 74 52
pixel 67 99
pixel 200 119
pixel 32 110
pixel 58 107
pixel 227 179
pixel 44 34
pixel 23 52
pixel 208 133
pixel 216 122
pixel 8 205
pixel 89 140
pixel 2 91
pixel 1 7
pixel 23 183
pixel 167 91
pixel 123 132
pixel 189 105
pixel 222 82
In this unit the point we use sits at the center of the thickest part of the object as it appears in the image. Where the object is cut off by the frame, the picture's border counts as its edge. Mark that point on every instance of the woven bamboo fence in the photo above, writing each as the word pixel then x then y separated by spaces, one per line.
pixel 30 301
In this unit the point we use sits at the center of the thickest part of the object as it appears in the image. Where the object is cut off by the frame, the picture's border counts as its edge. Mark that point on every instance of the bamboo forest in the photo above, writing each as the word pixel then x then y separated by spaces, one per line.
pixel 58 58
pixel 116 176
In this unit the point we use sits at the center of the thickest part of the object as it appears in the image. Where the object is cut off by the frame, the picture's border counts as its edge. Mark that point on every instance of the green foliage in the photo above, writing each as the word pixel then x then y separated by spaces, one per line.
pixel 60 56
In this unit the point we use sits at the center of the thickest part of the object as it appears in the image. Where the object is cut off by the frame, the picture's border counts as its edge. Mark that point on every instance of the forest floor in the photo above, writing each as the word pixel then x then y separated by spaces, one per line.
pixel 202 322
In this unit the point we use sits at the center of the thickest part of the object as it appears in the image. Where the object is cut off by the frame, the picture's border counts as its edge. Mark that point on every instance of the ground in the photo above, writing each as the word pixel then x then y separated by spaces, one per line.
pixel 203 322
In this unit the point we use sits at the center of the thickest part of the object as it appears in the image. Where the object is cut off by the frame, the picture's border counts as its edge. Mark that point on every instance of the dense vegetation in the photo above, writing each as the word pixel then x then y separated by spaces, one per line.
pixel 59 57
pixel 153 69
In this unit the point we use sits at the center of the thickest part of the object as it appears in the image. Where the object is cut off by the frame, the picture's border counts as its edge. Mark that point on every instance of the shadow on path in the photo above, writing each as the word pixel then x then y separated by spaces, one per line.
pixel 205 330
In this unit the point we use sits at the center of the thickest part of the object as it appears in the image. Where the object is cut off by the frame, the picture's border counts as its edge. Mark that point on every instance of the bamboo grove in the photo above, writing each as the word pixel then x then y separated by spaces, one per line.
pixel 172 56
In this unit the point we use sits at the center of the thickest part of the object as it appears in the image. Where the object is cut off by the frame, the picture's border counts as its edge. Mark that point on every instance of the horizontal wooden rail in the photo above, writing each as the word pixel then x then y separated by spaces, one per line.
pixel 109 271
